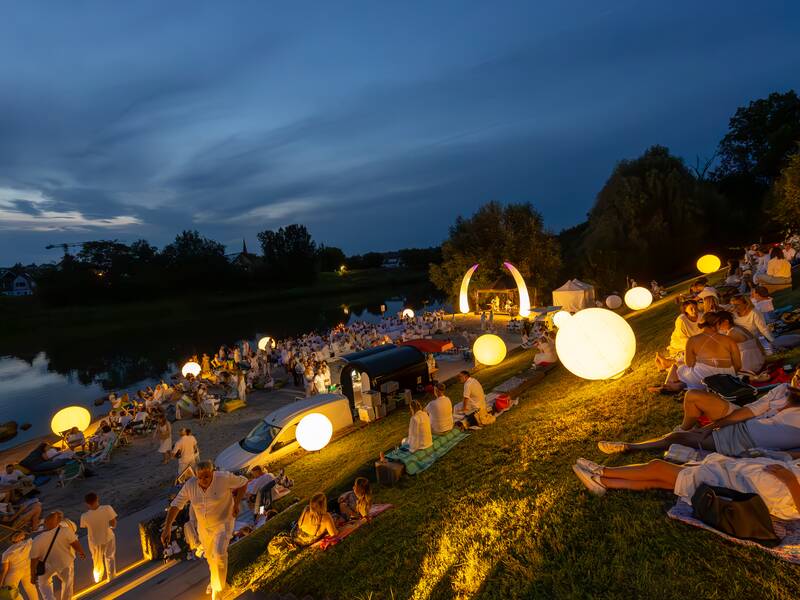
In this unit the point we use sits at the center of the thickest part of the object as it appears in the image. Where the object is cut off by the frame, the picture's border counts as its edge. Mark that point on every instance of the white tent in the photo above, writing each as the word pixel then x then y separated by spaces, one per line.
pixel 574 295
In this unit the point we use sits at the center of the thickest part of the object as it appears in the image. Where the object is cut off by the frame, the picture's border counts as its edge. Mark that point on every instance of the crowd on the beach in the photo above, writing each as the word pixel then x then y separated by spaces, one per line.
pixel 731 436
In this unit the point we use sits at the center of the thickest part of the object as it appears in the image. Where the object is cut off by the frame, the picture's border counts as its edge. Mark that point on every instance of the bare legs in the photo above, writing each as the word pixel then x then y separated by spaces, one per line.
pixel 698 438
pixel 663 363
pixel 657 474
pixel 697 403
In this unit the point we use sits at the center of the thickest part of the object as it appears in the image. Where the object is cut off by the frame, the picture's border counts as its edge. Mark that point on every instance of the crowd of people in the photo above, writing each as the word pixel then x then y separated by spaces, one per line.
pixel 752 448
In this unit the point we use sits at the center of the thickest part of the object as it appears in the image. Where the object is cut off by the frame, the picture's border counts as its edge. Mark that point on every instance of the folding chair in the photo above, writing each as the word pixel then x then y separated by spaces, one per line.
pixel 70 472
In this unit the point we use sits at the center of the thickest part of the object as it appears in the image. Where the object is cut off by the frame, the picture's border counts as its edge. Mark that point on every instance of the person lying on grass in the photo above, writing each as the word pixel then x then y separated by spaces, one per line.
pixel 356 503
pixel 315 522
pixel 762 424
pixel 707 353
pixel 775 481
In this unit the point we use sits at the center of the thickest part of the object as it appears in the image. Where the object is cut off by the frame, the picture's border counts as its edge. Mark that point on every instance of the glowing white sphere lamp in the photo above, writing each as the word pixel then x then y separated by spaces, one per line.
pixel 463 299
pixel 638 298
pixel 613 302
pixel 314 431
pixel 265 342
pixel 522 289
pixel 595 344
pixel 408 313
pixel 191 368
pixel 489 349
pixel 67 418
pixel 708 263
pixel 560 317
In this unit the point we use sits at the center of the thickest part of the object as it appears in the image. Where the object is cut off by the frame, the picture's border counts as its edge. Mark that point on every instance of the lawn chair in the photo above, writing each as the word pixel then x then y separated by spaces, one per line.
pixel 103 455
pixel 263 502
pixel 69 472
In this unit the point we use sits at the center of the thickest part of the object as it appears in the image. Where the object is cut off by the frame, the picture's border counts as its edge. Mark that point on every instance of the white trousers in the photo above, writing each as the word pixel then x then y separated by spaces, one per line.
pixel 104 559
pixel 215 545
pixel 45 584
pixel 16 577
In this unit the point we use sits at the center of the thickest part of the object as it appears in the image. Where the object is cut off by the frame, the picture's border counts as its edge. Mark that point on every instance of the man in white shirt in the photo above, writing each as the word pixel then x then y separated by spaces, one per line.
pixel 55 548
pixel 99 521
pixel 474 398
pixel 440 411
pixel 186 450
pixel 215 498
pixel 12 475
pixel 16 567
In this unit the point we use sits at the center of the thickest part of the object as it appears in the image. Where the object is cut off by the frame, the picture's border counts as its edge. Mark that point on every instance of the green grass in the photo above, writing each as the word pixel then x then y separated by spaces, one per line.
pixel 502 515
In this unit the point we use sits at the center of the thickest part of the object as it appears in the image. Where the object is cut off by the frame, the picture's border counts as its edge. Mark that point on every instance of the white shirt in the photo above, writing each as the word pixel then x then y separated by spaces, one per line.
pixel 779 267
pixel 60 556
pixel 440 412
pixel 212 507
pixel 187 445
pixel 770 403
pixel 256 484
pixel 474 398
pixel 754 323
pixel 97 523
pixel 14 477
pixel 419 431
pixel 684 329
pixel 18 556
pixel 764 306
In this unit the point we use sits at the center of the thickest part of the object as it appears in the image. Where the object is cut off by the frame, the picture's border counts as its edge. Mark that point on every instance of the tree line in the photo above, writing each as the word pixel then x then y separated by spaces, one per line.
pixel 654 216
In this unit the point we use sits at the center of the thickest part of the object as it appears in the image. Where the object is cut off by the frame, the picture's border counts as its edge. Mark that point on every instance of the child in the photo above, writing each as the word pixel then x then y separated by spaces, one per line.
pixel 99 521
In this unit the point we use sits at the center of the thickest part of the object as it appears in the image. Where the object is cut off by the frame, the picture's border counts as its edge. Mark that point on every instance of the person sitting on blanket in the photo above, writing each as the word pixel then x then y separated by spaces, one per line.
pixel 473 405
pixel 356 503
pixel 702 403
pixel 686 326
pixel 750 350
pixel 775 481
pixel 258 479
pixel 440 411
pixel 778 271
pixel 765 423
pixel 315 522
pixel 419 429
pixel 762 302
pixel 707 353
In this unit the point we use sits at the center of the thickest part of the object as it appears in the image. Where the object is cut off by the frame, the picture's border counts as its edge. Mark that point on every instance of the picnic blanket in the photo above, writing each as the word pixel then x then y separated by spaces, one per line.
pixel 788 531
pixel 416 462
pixel 350 527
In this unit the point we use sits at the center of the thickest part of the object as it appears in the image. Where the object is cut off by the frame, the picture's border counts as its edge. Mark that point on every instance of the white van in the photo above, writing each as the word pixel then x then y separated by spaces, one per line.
pixel 274 437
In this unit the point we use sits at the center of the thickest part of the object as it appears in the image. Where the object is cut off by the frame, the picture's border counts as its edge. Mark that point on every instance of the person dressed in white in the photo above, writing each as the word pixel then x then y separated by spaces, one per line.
pixel 215 497
pixel 319 382
pixel 185 450
pixel 99 521
pixel 440 411
pixel 16 567
pixel 419 428
pixel 747 317
pixel 55 549
pixel 778 271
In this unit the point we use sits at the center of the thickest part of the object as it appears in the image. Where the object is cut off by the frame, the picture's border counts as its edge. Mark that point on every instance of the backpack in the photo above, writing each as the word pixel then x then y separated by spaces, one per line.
pixel 740 515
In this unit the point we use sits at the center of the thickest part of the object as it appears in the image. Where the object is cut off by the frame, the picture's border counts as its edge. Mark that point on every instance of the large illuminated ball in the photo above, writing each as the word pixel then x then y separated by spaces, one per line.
pixel 560 317
pixel 67 418
pixel 314 431
pixel 613 302
pixel 191 368
pixel 596 343
pixel 638 298
pixel 708 263
pixel 489 349
pixel 408 314
pixel 265 342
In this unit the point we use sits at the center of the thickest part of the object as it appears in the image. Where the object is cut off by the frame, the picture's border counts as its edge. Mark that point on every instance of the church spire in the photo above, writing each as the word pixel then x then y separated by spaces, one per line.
pixel 244 247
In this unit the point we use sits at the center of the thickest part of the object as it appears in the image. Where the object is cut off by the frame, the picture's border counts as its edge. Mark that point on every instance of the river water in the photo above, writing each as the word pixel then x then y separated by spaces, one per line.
pixel 35 386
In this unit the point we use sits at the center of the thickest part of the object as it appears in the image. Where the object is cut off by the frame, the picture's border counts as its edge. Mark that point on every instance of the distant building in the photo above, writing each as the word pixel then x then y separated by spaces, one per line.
pixel 16 284
pixel 391 260
pixel 244 259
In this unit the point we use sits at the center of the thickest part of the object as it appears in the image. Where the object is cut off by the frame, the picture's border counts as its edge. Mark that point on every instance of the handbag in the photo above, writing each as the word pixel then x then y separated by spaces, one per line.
pixel 730 388
pixel 740 515
pixel 40 567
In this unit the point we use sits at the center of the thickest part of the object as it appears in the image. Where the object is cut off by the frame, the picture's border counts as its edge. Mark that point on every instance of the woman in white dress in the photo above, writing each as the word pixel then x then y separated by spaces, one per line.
pixel 686 325
pixel 164 436
pixel 419 428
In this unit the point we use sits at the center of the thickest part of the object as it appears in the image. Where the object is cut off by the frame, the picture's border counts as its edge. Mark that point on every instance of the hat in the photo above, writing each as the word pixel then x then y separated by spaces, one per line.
pixel 707 292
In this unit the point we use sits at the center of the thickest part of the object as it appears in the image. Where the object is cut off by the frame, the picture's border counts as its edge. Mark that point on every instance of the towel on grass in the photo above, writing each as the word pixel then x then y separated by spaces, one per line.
pixel 416 462
pixel 350 527
pixel 788 531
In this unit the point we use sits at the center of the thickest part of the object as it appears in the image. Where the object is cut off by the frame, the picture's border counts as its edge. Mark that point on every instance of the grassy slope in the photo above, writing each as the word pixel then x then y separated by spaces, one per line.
pixel 502 515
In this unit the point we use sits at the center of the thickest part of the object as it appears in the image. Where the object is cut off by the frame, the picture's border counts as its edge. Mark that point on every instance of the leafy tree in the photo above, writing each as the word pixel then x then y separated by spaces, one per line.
pixel 194 261
pixel 370 260
pixel 786 196
pixel 648 220
pixel 289 254
pixel 330 258
pixel 421 258
pixel 493 235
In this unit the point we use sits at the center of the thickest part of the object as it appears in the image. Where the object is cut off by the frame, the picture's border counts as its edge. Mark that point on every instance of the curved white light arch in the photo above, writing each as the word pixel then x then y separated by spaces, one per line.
pixel 463 298
pixel 524 300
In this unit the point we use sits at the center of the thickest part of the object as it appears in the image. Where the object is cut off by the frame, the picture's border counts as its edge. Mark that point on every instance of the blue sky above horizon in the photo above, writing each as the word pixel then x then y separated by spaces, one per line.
pixel 375 125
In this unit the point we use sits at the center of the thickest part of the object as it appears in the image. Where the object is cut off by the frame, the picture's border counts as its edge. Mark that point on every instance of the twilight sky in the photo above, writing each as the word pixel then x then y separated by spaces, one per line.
pixel 373 123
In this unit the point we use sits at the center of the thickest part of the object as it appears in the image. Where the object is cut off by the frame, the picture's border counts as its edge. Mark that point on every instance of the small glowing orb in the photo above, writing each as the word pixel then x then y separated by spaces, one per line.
pixel 463 299
pixel 191 368
pixel 638 298
pixel 489 349
pixel 708 263
pixel 596 343
pixel 314 431
pixel 67 418
pixel 560 318
pixel 613 302
pixel 408 314
pixel 265 342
